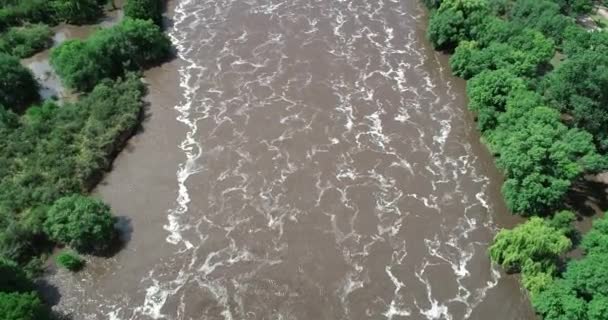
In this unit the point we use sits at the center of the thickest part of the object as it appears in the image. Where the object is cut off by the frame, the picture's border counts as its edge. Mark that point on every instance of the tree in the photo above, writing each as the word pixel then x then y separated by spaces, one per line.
pixel 69 260
pixel 541 158
pixel 18 88
pixel 144 10
pixel 455 21
pixel 83 223
pixel 596 240
pixel 560 302
pixel 109 53
pixel 577 87
pixel 530 242
pixel 598 308
pixel 77 11
pixel 543 16
pixel 589 276
pixel 21 306
pixel 488 94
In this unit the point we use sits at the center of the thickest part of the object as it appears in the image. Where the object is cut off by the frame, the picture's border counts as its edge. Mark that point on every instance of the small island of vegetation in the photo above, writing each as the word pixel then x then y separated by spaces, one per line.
pixel 52 154
pixel 538 85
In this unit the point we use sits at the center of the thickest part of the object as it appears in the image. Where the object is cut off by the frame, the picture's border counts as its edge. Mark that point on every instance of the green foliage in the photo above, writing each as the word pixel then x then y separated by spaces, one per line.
pixel 144 10
pixel 581 291
pixel 21 306
pixel 18 88
pixel 542 15
pixel 109 53
pixel 83 223
pixel 69 260
pixel 540 158
pixel 16 13
pixel 530 242
pixel 23 42
pixel 596 240
pixel 559 302
pixel 455 21
pixel 501 45
pixel 488 94
pixel 76 11
pixel 52 152
pixel 578 88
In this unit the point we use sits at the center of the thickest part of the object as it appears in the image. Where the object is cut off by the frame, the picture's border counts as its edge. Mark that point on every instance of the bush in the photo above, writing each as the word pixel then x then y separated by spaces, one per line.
pixel 488 93
pixel 109 53
pixel 70 261
pixel 83 223
pixel 144 10
pixel 25 41
pixel 18 88
pixel 455 21
pixel 76 11
pixel 21 306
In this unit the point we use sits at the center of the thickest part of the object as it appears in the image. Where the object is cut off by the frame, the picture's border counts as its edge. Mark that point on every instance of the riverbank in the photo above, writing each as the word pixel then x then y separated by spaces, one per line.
pixel 140 188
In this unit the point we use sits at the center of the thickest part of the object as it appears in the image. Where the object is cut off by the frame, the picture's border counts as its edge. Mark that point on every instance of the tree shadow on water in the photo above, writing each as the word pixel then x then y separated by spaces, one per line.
pixel 124 229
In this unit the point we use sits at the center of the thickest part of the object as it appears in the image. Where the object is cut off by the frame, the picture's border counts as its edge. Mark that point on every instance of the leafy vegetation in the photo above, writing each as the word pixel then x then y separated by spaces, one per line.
pixel 547 125
pixel 67 149
pixel 144 10
pixel 83 223
pixel 51 155
pixel 23 42
pixel 17 12
pixel 109 53
pixel 69 260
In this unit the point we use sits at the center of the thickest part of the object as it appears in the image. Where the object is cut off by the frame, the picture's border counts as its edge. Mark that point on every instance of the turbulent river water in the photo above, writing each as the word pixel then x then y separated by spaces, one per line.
pixel 327 168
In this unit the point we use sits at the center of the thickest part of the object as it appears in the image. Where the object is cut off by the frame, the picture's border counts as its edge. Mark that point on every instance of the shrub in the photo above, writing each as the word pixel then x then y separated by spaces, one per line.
pixel 21 306
pixel 109 53
pixel 144 10
pixel 69 260
pixel 76 11
pixel 25 41
pixel 18 88
pixel 83 223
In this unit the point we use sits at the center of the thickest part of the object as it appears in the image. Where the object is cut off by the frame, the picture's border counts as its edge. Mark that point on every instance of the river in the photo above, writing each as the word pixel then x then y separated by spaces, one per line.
pixel 326 166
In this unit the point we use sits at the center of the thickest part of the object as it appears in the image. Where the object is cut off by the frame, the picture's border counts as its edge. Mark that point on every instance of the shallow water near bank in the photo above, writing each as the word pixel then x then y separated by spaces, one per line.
pixel 50 84
pixel 301 160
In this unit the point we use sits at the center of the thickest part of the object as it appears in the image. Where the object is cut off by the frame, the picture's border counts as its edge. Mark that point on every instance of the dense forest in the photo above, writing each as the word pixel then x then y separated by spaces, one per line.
pixel 538 85
pixel 53 153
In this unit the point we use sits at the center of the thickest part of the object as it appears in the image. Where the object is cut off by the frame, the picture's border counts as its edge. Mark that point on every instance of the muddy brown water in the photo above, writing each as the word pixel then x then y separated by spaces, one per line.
pixel 301 160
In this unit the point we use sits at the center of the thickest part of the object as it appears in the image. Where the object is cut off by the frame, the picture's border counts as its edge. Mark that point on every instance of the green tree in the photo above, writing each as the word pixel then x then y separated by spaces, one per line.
pixel 488 93
pixel 83 223
pixel 597 308
pixel 530 242
pixel 21 306
pixel 109 53
pixel 455 21
pixel 560 302
pixel 145 10
pixel 596 240
pixel 577 87
pixel 18 88
pixel 589 276
pixel 541 158
pixel 77 11
pixel 69 260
